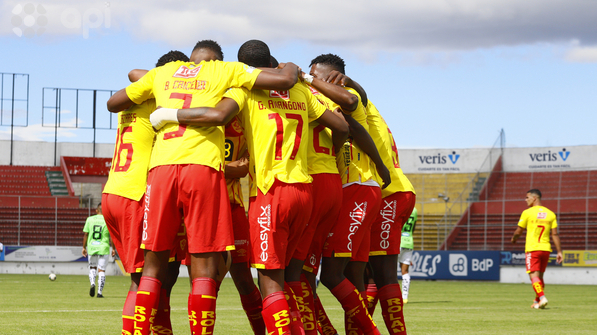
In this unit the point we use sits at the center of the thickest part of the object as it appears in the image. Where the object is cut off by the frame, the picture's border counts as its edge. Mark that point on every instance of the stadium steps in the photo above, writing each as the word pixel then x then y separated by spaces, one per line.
pixel 56 183
pixel 24 180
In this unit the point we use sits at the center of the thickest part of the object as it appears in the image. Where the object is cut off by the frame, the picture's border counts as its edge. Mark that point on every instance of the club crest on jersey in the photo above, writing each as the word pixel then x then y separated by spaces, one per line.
pixel 184 72
pixel 541 215
pixel 279 94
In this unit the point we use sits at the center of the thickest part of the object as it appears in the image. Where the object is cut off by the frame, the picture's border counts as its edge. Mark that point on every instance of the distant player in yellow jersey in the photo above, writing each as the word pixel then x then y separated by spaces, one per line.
pixel 540 223
pixel 186 177
pixel 123 194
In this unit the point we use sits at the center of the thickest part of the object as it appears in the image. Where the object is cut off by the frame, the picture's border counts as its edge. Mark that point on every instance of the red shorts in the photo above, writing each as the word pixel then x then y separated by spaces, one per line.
pixel 386 231
pixel 179 251
pixel 124 219
pixel 351 235
pixel 327 200
pixel 196 192
pixel 277 220
pixel 536 261
pixel 240 225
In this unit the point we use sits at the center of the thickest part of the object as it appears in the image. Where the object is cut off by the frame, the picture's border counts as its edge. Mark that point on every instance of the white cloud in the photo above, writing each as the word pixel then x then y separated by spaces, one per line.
pixel 582 55
pixel 383 25
pixel 35 132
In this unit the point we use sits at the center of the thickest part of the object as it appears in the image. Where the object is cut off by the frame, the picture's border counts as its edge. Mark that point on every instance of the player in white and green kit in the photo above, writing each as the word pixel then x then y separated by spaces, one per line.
pixel 406 251
pixel 96 244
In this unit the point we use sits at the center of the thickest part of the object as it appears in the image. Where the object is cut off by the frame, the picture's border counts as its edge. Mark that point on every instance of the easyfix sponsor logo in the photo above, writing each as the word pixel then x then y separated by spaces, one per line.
pixel 265 222
pixel 550 156
pixel 440 159
pixel 388 213
pixel 357 216
pixel 146 212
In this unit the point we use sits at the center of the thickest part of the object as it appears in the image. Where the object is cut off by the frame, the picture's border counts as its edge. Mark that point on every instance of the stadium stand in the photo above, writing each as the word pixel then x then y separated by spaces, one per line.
pixel 489 223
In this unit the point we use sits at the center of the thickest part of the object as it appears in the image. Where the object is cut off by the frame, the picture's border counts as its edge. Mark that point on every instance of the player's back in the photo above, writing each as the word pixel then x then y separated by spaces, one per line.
pixel 384 141
pixel 235 142
pixel 276 128
pixel 354 165
pixel 98 240
pixel 186 85
pixel 321 155
pixel 539 221
pixel 132 152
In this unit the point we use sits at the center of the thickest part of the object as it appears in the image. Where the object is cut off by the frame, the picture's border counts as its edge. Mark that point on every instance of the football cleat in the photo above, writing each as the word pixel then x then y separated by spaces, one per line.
pixel 404 301
pixel 92 290
pixel 99 295
pixel 542 302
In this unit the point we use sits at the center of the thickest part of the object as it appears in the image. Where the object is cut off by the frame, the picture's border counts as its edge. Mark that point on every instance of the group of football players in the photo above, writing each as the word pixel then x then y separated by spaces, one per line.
pixel 325 188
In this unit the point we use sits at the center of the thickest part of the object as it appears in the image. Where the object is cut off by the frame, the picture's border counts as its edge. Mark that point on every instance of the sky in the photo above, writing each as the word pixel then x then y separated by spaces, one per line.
pixel 444 74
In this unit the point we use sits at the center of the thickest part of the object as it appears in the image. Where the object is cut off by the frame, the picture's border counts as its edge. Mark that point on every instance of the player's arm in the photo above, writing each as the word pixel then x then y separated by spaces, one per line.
pixel 119 101
pixel 338 126
pixel 85 236
pixel 338 78
pixel 346 100
pixel 277 79
pixel 136 74
pixel 361 136
pixel 220 115
pixel 517 234
pixel 556 241
pixel 237 169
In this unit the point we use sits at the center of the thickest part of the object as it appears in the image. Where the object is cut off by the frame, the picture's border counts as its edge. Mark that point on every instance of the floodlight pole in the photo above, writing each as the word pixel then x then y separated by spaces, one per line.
pixel 12 117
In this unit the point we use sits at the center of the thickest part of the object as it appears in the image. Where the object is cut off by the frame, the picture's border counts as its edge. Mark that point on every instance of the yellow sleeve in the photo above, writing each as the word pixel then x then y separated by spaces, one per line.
pixel 239 95
pixel 142 89
pixel 554 223
pixel 523 220
pixel 314 108
pixel 243 75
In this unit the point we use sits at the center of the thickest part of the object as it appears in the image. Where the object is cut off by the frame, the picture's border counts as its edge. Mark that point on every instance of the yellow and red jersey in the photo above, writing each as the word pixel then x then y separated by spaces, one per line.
pixel 384 141
pixel 234 145
pixel 321 155
pixel 132 152
pixel 276 125
pixel 186 85
pixel 538 221
pixel 354 165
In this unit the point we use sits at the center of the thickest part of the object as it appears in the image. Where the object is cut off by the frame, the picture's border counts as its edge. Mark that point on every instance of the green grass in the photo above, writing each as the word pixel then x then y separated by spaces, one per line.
pixel 31 304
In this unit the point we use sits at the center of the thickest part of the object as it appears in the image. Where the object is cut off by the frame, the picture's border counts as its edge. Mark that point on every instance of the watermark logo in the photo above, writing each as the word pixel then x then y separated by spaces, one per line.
pixel 29 20
pixel 32 19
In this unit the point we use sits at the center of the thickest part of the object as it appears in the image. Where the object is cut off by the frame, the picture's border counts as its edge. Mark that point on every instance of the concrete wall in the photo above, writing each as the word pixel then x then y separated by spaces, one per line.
pixel 553 275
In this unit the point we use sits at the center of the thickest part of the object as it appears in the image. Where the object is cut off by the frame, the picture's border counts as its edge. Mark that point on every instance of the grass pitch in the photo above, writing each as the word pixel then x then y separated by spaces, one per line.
pixel 32 304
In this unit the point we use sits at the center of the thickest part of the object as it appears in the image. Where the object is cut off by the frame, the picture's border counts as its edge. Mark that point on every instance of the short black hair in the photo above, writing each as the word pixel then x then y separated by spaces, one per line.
pixel 172 56
pixel 210 45
pixel 535 192
pixel 255 53
pixel 274 61
pixel 330 59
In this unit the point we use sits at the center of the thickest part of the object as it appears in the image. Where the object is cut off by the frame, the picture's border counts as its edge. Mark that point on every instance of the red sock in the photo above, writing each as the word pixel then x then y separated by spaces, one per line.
pixel 161 323
pixel 537 286
pixel 253 306
pixel 371 298
pixel 296 324
pixel 322 319
pixel 202 308
pixel 146 303
pixel 128 313
pixel 308 307
pixel 276 314
pixel 353 304
pixel 390 299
